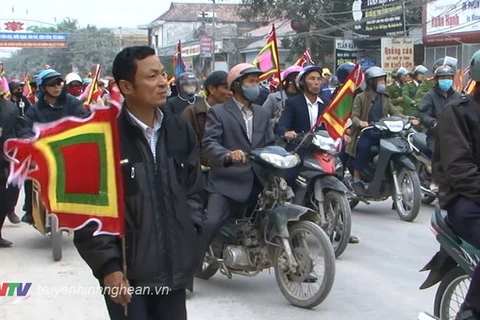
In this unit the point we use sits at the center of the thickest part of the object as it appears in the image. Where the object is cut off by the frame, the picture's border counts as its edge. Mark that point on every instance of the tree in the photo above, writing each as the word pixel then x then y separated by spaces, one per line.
pixel 305 16
pixel 86 47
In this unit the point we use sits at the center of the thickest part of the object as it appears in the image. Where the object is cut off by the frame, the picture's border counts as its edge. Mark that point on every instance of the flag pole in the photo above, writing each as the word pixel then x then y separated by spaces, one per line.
pixel 279 74
pixel 124 267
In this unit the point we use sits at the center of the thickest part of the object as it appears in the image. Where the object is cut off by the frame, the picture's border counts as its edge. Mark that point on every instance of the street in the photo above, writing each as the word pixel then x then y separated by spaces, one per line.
pixel 375 279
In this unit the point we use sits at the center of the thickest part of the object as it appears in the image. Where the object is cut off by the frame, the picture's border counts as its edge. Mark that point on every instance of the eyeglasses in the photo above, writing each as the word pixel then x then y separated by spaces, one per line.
pixel 55 83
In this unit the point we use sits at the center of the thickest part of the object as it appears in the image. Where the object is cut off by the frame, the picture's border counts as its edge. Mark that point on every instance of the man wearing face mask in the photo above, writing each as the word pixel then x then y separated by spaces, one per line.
pixel 74 84
pixel 187 85
pixel 233 128
pixel 370 106
pixel 17 97
pixel 436 99
pixel 275 102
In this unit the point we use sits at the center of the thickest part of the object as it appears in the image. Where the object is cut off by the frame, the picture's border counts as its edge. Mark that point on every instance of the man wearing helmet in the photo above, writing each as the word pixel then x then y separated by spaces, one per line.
pixel 410 89
pixel 73 84
pixel 428 83
pixel 394 90
pixel 17 97
pixel 187 85
pixel 54 103
pixel 233 128
pixel 275 102
pixel 456 169
pixel 369 106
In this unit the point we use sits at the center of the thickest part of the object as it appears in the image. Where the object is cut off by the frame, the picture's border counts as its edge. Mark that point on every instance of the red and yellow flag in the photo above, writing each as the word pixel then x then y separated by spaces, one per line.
pixel 267 59
pixel 339 110
pixel 470 87
pixel 76 162
pixel 305 59
pixel 92 90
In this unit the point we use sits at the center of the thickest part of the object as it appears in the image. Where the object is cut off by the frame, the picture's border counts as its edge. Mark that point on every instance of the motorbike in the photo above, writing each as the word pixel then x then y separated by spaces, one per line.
pixel 423 163
pixel 43 222
pixel 274 234
pixel 390 171
pixel 319 186
pixel 452 266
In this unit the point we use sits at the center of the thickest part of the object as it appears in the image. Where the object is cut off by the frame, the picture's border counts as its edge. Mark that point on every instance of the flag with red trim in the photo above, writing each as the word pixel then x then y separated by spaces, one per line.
pixel 76 163
pixel 305 59
pixel 267 59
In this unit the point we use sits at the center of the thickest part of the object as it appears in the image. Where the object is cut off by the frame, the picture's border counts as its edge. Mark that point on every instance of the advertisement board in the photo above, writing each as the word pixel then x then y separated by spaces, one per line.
pixel 33 40
pixel 378 17
pixel 396 53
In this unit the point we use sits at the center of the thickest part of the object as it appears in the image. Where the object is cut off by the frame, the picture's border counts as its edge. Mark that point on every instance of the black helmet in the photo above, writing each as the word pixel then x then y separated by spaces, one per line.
pixel 475 67
pixel 344 70
pixel 444 71
pixel 374 73
pixel 187 79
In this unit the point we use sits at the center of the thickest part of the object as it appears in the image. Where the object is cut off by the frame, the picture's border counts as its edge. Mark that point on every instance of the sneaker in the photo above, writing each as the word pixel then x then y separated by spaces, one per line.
pixel 358 187
pixel 4 243
pixel 27 218
pixel 13 218
pixel 353 240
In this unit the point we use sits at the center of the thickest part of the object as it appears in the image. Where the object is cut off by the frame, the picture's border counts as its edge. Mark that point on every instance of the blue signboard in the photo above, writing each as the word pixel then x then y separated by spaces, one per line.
pixel 366 63
pixel 33 40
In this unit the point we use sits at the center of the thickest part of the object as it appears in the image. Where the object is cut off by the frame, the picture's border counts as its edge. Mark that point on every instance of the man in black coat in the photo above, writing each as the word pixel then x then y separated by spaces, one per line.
pixel 8 116
pixel 164 211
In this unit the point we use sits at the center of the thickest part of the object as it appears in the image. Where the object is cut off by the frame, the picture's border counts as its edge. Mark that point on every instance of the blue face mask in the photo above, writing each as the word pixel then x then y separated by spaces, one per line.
pixel 251 93
pixel 445 84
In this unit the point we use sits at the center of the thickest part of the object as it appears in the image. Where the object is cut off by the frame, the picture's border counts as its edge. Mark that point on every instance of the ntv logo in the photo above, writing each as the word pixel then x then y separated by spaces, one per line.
pixel 14 289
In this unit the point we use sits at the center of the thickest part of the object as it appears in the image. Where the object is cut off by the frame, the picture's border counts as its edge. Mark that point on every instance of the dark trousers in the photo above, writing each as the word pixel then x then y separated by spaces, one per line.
pixel 28 197
pixel 363 152
pixel 464 216
pixel 151 307
pixel 8 200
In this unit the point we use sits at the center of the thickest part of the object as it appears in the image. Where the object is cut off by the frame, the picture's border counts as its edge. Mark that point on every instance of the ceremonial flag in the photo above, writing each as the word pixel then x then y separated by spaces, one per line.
pixel 458 80
pixel 92 92
pixel 339 110
pixel 305 59
pixel 76 163
pixel 470 87
pixel 267 59
pixel 179 66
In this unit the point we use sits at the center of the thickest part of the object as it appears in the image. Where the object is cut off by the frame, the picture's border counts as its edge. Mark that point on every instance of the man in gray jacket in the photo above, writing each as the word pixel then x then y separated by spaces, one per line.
pixel 232 129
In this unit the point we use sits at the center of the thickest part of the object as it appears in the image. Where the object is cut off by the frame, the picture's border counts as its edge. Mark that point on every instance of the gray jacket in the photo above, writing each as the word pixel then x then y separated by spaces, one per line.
pixel 433 104
pixel 275 105
pixel 225 131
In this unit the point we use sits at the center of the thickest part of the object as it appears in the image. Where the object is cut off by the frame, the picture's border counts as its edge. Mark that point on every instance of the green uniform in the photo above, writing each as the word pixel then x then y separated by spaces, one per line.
pixel 423 88
pixel 410 107
pixel 395 94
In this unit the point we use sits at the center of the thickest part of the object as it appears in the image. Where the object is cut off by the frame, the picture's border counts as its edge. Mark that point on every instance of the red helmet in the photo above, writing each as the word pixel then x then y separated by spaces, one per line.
pixel 241 70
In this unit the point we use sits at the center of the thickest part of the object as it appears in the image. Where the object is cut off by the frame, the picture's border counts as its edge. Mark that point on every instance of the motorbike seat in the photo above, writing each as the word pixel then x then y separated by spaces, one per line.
pixel 419 140
pixel 445 225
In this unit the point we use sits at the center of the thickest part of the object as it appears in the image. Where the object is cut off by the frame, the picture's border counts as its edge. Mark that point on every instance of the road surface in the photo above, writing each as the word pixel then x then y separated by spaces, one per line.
pixel 375 279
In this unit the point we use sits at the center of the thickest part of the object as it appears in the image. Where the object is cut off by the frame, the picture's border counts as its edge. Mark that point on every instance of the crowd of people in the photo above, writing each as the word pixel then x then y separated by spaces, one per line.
pixel 177 140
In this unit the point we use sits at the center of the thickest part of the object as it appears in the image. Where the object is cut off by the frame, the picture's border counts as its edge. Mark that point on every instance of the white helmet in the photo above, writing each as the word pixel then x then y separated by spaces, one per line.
pixel 72 77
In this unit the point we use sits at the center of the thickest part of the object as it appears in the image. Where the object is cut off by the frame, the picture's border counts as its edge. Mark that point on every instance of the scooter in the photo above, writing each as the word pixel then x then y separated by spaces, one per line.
pixel 390 171
pixel 319 186
pixel 452 266
pixel 423 163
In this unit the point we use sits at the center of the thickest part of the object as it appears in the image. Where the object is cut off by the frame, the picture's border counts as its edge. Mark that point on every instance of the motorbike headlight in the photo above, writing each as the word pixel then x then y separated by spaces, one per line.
pixel 394 126
pixel 281 162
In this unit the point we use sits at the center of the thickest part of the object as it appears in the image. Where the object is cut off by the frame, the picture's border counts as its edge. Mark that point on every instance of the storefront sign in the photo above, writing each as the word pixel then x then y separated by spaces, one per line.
pixel 378 17
pixel 345 51
pixel 396 53
pixel 33 40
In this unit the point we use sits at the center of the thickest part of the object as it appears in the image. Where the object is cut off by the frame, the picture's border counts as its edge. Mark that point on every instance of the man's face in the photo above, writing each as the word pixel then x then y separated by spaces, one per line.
pixel 382 80
pixel 403 77
pixel 420 77
pixel 150 83
pixel 251 80
pixel 54 87
pixel 75 88
pixel 445 77
pixel 313 81
pixel 220 93
pixel 18 91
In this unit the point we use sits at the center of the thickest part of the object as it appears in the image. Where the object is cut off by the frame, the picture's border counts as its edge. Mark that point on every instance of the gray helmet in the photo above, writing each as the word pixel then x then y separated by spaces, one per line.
pixel 447 61
pixel 185 83
pixel 475 66
pixel 444 71
pixel 419 69
pixel 374 72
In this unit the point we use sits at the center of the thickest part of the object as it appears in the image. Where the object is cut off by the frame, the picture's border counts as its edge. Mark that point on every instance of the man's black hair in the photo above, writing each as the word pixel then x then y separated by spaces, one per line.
pixel 125 63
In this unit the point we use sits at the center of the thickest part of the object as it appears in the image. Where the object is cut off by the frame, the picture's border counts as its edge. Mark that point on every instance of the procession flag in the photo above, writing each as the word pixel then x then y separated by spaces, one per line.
pixel 339 111
pixel 92 92
pixel 305 59
pixel 76 163
pixel 178 65
pixel 267 59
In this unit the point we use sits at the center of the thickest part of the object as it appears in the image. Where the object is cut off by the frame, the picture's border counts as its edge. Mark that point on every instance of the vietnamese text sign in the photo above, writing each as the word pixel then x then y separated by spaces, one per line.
pixel 396 53
pixel 33 40
pixel 445 18
pixel 378 17
pixel 345 51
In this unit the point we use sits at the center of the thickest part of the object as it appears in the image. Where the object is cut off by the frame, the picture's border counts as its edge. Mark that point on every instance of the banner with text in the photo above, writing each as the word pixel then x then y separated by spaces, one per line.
pixel 378 17
pixel 396 53
pixel 345 51
pixel 33 40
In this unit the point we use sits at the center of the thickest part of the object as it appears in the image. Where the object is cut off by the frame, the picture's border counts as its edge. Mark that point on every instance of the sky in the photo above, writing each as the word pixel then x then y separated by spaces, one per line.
pixel 102 13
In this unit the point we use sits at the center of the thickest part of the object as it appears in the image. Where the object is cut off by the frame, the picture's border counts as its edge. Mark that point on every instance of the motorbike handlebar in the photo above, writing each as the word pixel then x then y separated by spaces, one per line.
pixel 228 161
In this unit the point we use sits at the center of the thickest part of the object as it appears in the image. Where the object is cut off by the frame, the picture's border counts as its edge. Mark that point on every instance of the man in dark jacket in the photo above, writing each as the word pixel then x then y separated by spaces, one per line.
pixel 53 104
pixel 8 116
pixel 187 85
pixel 456 168
pixel 164 211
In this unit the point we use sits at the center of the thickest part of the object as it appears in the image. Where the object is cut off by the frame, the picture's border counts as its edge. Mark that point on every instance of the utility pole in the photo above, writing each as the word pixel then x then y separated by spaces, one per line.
pixel 213 35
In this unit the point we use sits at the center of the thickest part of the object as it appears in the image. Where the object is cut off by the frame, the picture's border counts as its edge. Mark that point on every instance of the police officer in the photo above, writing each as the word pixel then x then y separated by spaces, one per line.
pixel 394 90
pixel 456 168
pixel 410 89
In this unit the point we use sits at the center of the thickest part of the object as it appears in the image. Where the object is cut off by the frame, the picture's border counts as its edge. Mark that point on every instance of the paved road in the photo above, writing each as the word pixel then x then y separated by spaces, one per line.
pixel 376 279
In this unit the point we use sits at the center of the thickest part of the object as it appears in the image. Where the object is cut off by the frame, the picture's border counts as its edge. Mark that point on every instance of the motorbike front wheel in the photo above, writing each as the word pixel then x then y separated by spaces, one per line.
pixel 408 203
pixel 339 220
pixel 454 285
pixel 292 282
